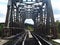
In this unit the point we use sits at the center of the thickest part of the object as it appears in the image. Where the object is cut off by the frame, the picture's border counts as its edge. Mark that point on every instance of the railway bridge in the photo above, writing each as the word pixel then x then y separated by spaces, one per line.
pixel 40 11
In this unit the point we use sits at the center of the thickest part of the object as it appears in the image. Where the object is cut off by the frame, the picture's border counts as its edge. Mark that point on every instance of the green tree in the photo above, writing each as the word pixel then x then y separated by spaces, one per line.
pixel 58 25
pixel 1 27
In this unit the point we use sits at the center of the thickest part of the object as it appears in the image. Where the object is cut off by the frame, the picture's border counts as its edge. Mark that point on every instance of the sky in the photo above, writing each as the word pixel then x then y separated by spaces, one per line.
pixel 55 6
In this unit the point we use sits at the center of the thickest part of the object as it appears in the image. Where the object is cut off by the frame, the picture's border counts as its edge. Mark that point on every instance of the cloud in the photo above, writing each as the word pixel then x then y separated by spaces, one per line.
pixel 29 21
pixel 4 1
pixel 2 19
pixel 55 4
pixel 3 10
pixel 57 17
pixel 56 9
pixel 1 15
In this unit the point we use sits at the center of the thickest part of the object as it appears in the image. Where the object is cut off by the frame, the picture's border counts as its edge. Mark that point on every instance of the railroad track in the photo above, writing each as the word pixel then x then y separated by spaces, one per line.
pixel 15 39
pixel 24 39
pixel 42 40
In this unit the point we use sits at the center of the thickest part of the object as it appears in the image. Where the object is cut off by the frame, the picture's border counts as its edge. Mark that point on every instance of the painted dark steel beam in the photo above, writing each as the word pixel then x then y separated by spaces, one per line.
pixel 24 11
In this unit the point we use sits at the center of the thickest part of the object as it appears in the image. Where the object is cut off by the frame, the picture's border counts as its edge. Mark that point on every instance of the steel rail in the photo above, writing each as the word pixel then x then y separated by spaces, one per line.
pixel 39 42
pixel 15 39
pixel 34 37
pixel 24 39
pixel 14 36
pixel 43 41
pixel 20 39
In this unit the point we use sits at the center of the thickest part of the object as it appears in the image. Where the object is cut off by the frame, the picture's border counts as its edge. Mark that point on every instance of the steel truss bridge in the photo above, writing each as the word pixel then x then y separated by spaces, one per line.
pixel 40 11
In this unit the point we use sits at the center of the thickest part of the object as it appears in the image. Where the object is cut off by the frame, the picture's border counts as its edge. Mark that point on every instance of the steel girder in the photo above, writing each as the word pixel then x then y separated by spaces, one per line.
pixel 42 16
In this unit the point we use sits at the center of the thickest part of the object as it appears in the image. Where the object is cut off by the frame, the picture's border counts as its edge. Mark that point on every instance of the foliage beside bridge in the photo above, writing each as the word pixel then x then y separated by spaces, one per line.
pixel 1 27
pixel 29 27
pixel 58 25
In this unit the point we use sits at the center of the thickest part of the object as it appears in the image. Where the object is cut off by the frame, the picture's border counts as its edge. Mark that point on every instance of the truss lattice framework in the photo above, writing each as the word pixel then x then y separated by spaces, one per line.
pixel 39 10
